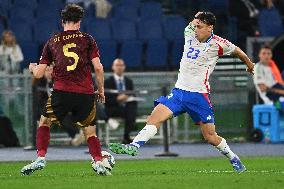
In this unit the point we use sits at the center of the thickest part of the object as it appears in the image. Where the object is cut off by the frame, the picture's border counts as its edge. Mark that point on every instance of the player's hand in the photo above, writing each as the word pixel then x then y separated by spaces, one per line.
pixel 32 66
pixel 250 68
pixel 100 96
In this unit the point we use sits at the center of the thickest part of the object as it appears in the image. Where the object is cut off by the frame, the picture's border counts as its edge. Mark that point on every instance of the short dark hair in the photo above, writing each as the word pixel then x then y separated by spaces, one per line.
pixel 207 18
pixel 72 13
pixel 265 46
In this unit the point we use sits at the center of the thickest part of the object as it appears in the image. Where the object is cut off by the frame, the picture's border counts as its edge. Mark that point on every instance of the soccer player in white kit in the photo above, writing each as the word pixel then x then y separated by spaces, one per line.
pixel 191 93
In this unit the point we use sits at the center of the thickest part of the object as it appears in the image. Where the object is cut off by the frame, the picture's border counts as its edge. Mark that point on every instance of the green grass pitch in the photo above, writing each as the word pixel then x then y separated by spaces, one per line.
pixel 262 173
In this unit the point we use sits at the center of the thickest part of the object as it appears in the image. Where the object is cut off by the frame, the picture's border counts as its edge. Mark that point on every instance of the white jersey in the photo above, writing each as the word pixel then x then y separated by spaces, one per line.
pixel 199 60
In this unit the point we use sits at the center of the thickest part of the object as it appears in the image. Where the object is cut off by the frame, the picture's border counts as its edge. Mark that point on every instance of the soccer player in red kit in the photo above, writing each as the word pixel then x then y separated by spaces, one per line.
pixel 72 53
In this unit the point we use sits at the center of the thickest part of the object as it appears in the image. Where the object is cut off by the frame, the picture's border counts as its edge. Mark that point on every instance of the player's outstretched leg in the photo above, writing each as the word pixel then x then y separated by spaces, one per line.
pixel 42 141
pixel 95 150
pixel 160 114
pixel 208 131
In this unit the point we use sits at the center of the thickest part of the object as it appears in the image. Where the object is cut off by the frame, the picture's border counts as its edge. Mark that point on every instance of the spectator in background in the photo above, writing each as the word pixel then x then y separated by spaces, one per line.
pixel 118 104
pixel 246 13
pixel 277 4
pixel 267 77
pixel 269 21
pixel 267 4
pixel 103 7
pixel 10 53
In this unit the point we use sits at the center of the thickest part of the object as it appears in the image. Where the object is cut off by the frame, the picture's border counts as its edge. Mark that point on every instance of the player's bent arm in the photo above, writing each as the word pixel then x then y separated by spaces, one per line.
pixel 190 29
pixel 99 73
pixel 39 70
pixel 243 57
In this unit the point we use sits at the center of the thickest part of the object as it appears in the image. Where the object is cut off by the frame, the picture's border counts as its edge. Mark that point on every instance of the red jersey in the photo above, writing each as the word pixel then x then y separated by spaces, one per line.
pixel 71 53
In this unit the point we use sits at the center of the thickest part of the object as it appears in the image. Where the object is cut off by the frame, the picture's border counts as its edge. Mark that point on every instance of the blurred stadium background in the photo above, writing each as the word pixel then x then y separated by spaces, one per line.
pixel 148 35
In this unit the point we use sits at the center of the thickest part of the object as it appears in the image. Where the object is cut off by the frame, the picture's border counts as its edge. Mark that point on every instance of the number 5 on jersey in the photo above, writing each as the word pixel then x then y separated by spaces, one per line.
pixel 71 54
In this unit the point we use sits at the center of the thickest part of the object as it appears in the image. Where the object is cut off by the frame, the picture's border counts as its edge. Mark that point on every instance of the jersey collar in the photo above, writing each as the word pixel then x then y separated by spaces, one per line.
pixel 209 39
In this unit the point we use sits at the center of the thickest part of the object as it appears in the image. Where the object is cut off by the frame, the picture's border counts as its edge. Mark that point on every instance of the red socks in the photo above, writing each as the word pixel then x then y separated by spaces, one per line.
pixel 42 140
pixel 95 148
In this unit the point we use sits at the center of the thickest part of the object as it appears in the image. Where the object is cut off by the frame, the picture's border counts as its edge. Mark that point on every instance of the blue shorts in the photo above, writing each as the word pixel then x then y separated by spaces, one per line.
pixel 197 105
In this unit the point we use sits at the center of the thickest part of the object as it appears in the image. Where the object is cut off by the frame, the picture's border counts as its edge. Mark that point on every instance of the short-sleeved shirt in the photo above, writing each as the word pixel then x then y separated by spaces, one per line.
pixel 199 60
pixel 71 53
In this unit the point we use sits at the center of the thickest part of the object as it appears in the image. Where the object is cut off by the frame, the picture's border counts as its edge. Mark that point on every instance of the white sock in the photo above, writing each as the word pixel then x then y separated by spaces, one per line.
pixel 144 135
pixel 225 149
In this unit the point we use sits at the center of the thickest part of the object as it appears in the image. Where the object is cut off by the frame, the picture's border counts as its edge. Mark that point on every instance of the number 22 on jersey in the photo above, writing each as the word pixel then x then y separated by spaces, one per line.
pixel 71 54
